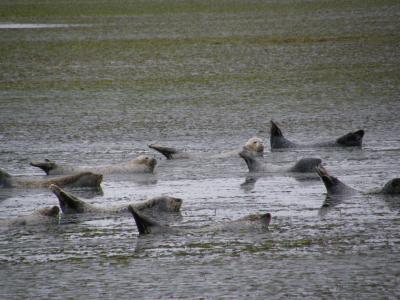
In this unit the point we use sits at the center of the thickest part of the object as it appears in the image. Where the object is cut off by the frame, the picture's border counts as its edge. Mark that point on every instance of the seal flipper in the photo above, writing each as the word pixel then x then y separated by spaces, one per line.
pixel 46 165
pixel 143 224
pixel 168 152
pixel 277 140
pixel 351 139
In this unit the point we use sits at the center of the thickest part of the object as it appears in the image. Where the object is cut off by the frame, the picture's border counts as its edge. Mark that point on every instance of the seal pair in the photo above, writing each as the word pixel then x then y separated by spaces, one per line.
pixel 71 204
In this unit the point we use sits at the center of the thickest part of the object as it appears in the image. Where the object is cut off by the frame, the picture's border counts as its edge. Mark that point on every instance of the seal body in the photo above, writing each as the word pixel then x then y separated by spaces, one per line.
pixel 83 179
pixel 43 216
pixel 141 164
pixel 304 165
pixel 278 141
pixel 254 145
pixel 146 225
pixel 336 187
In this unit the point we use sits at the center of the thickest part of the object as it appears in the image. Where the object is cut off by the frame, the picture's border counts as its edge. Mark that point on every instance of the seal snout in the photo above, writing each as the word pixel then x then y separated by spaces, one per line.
pixel 55 189
pixel 321 171
pixel 178 204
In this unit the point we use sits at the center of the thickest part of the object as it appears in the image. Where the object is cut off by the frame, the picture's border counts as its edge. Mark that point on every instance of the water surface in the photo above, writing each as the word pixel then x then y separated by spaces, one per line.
pixel 205 79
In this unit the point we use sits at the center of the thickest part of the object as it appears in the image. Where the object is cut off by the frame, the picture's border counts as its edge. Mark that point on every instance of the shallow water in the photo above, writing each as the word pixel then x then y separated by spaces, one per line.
pixel 205 81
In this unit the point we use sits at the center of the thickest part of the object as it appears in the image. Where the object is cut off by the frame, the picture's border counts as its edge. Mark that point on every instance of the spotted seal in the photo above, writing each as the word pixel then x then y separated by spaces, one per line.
pixel 146 225
pixel 336 187
pixel 83 179
pixel 43 216
pixel 71 204
pixel 338 192
pixel 254 145
pixel 141 164
pixel 278 141
pixel 304 165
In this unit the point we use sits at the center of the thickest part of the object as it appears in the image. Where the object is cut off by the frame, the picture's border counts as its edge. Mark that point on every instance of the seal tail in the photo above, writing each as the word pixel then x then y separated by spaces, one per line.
pixel 277 140
pixel 143 223
pixel 275 130
pixel 168 152
pixel 351 139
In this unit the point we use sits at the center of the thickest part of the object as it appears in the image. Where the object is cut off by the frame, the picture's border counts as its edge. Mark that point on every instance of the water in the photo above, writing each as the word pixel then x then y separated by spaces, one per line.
pixel 205 81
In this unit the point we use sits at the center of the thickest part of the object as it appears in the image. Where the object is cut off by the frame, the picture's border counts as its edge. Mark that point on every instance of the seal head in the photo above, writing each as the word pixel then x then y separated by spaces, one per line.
pixel 5 179
pixel 53 211
pixel 146 161
pixel 392 187
pixel 255 145
pixel 351 139
pixel 306 165
pixel 333 185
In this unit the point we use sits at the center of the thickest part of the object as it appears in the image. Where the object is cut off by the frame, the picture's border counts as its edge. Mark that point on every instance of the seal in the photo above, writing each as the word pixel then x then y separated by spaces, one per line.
pixel 146 225
pixel 71 204
pixel 254 145
pixel 141 164
pixel 304 165
pixel 278 141
pixel 335 187
pixel 83 179
pixel 43 216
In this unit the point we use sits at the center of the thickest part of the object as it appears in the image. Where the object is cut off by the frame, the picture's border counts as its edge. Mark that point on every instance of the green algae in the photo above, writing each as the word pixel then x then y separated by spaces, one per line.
pixel 29 8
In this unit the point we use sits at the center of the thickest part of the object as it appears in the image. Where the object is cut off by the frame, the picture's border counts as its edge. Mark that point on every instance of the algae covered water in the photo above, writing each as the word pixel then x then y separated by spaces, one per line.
pixel 102 80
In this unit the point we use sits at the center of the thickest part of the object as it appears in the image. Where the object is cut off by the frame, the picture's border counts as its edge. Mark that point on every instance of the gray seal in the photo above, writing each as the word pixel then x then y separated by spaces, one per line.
pixel 337 191
pixel 304 165
pixel 71 204
pixel 278 141
pixel 254 145
pixel 336 187
pixel 146 225
pixel 83 179
pixel 140 165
